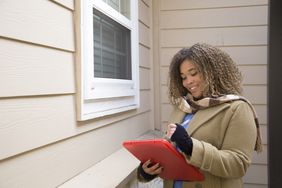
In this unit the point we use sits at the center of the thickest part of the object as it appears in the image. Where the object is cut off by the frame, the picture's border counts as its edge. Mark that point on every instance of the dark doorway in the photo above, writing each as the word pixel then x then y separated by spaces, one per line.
pixel 275 95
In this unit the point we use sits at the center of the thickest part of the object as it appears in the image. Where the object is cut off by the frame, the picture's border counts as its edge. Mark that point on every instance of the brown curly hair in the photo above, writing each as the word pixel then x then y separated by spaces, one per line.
pixel 220 73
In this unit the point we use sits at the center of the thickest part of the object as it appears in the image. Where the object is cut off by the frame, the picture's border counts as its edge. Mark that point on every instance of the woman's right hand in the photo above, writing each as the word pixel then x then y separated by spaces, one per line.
pixel 170 130
pixel 152 170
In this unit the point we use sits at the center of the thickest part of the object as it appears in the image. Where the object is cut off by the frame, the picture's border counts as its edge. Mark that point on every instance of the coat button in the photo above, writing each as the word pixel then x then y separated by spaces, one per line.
pixel 198 185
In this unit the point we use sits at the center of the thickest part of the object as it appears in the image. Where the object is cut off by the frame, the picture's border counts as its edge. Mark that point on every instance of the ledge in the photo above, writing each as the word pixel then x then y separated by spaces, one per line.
pixel 114 171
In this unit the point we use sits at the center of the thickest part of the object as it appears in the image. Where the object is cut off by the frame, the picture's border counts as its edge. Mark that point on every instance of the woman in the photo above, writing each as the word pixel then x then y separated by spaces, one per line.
pixel 212 125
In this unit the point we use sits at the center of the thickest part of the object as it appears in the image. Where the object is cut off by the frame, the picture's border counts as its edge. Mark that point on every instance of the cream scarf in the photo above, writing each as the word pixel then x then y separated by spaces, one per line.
pixel 188 105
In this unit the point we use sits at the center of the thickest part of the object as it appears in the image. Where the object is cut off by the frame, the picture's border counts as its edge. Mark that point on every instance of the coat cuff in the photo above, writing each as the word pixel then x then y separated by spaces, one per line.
pixel 202 155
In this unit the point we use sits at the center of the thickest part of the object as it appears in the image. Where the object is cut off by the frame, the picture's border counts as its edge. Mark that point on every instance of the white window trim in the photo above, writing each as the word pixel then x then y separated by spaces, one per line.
pixel 99 97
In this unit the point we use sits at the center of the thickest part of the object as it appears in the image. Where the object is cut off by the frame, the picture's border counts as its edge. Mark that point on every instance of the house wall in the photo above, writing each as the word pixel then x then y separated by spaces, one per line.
pixel 239 28
pixel 42 144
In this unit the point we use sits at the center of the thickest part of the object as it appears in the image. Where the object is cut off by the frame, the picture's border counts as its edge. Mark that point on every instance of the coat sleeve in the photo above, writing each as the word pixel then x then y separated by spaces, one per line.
pixel 234 157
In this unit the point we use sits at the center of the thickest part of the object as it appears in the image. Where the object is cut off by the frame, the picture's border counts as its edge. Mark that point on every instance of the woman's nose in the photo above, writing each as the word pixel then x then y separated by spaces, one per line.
pixel 188 81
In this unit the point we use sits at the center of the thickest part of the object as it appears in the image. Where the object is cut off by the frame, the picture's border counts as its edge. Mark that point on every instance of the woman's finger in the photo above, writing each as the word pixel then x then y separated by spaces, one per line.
pixel 158 170
pixel 146 163
pixel 155 169
pixel 170 130
pixel 171 125
pixel 145 166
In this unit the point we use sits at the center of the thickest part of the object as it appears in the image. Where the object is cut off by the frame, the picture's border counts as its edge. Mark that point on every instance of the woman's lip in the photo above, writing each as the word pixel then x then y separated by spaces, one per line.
pixel 192 88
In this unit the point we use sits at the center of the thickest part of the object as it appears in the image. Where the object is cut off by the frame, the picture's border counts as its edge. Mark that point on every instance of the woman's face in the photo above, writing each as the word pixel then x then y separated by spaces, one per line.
pixel 192 80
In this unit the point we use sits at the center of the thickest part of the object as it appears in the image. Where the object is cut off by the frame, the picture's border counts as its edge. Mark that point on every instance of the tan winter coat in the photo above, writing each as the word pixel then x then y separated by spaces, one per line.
pixel 224 138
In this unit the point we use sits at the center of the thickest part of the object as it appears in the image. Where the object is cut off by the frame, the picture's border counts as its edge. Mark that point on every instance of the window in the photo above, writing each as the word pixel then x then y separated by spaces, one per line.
pixel 107 57
pixel 111 48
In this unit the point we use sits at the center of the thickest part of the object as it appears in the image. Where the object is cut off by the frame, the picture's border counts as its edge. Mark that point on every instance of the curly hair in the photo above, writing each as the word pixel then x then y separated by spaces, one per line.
pixel 220 73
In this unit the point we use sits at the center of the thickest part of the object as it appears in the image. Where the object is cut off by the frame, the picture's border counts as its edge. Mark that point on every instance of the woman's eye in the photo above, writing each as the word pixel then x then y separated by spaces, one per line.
pixel 193 73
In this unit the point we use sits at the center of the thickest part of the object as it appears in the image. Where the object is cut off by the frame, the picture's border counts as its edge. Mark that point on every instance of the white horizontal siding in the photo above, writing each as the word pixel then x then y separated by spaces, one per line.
pixel 207 4
pixel 42 144
pixel 261 158
pixel 247 185
pixel 257 174
pixel 147 3
pixel 144 35
pixel 262 113
pixel 144 13
pixel 263 129
pixel 257 94
pixel 67 3
pixel 28 123
pixel 252 35
pixel 254 74
pixel 53 164
pixel 221 17
pixel 34 70
pixel 40 22
pixel 144 56
pixel 48 119
pixel 165 112
pixel 145 79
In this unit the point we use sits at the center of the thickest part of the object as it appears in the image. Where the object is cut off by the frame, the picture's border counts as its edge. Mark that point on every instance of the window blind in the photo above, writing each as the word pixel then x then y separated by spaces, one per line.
pixel 112 54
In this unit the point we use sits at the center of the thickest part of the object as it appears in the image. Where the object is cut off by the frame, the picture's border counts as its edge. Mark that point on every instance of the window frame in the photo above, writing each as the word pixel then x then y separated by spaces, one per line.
pixel 99 97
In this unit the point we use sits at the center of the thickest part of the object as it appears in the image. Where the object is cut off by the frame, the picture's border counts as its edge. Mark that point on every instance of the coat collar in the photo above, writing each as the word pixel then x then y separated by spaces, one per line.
pixel 199 118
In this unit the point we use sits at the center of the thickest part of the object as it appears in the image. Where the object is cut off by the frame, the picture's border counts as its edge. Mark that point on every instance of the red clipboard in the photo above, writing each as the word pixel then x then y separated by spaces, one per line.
pixel 161 151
